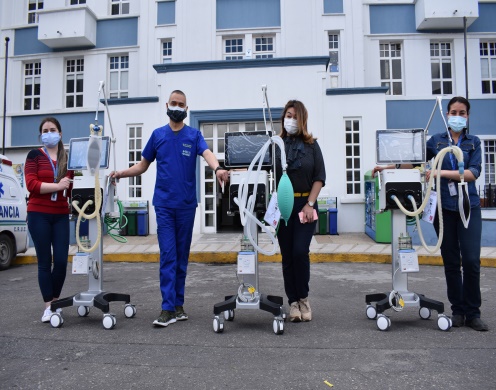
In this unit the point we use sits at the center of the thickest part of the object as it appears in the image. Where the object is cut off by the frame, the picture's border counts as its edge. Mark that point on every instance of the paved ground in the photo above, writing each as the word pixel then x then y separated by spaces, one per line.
pixel 340 346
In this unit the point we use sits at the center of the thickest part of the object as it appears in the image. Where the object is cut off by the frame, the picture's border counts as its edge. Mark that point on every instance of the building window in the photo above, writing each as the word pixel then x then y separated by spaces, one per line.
pixel 119 7
pixel 488 66
pixel 32 85
pixel 264 47
pixel 334 53
pixel 76 2
pixel 74 83
pixel 166 51
pixel 135 147
pixel 353 165
pixel 490 162
pixel 391 74
pixel 233 49
pixel 119 76
pixel 33 7
pixel 442 78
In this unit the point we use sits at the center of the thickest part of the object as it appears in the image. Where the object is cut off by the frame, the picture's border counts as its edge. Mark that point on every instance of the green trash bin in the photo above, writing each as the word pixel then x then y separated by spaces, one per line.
pixel 323 222
pixel 132 223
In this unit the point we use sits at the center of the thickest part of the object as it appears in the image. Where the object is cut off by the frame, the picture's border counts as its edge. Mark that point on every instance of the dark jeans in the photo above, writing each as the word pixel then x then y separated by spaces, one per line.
pixel 294 242
pixel 50 231
pixel 174 233
pixel 460 250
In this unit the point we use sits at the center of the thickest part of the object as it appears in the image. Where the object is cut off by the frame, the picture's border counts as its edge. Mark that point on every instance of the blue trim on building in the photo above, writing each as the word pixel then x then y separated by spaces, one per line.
pixel 135 100
pixel 117 32
pixel 486 20
pixel 392 19
pixel 166 12
pixel 237 14
pixel 409 114
pixel 333 6
pixel 25 129
pixel 26 42
pixel 250 63
pixel 356 91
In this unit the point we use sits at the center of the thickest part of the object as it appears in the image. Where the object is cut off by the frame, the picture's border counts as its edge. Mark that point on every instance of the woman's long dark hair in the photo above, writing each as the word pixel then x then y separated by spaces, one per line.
pixel 61 153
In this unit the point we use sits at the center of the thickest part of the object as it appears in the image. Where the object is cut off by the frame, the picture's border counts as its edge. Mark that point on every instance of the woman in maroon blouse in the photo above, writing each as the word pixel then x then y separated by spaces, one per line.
pixel 46 179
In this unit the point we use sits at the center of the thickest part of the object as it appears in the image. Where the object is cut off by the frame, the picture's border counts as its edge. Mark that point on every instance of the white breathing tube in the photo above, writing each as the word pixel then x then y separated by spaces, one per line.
pixel 436 167
pixel 247 204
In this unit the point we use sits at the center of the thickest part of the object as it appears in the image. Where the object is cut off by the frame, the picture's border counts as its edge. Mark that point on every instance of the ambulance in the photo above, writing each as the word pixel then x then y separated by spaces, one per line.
pixel 13 215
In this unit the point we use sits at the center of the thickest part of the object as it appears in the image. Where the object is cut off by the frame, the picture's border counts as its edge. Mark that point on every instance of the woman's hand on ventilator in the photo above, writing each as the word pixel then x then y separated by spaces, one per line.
pixel 64 183
pixel 376 169
pixel 115 175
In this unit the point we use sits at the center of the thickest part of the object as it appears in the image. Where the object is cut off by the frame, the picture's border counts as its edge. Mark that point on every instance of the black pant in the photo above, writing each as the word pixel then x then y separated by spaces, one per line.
pixel 294 242
pixel 460 250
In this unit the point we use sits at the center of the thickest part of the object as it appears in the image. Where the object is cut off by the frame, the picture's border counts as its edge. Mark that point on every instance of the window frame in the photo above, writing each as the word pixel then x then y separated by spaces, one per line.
pixel 135 146
pixel 391 81
pixel 264 54
pixel 35 73
pixel 166 58
pixel 33 13
pixel 118 93
pixel 75 94
pixel 441 59
pixel 491 79
pixel 120 6
pixel 240 55
pixel 356 172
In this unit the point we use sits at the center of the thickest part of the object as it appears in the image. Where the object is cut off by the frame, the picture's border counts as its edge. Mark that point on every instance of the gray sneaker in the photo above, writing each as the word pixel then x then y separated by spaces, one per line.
pixel 166 317
pixel 180 314
pixel 294 312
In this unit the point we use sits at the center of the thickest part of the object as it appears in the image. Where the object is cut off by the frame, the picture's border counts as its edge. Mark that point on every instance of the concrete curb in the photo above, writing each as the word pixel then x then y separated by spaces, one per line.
pixel 230 258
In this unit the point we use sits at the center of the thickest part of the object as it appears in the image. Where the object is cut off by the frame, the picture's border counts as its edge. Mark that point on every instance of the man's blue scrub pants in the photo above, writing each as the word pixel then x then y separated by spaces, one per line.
pixel 174 231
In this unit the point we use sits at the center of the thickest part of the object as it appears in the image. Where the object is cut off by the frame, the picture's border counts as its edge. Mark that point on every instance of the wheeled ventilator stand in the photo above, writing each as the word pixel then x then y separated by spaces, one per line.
pixel 400 296
pixel 92 264
pixel 248 296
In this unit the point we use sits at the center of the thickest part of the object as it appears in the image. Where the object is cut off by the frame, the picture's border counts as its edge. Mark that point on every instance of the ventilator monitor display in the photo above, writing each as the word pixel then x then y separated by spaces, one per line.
pixel 78 151
pixel 403 146
pixel 242 147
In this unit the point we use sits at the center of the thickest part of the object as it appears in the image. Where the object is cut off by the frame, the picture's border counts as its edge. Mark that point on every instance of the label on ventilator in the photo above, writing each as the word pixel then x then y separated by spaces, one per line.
pixel 408 260
pixel 246 263
pixel 80 264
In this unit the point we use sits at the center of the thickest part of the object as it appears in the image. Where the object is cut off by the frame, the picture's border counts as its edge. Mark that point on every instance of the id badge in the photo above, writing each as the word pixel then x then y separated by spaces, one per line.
pixel 54 197
pixel 452 188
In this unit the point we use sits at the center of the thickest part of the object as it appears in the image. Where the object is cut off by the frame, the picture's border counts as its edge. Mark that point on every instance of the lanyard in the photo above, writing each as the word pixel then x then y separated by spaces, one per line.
pixel 54 167
pixel 454 163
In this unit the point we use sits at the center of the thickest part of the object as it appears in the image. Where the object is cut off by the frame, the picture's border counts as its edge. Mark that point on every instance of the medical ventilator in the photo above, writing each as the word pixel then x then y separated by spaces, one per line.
pixel 400 190
pixel 93 200
pixel 249 195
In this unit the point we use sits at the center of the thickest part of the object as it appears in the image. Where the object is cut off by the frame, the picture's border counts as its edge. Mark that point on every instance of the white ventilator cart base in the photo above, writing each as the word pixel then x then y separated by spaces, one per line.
pixel 91 201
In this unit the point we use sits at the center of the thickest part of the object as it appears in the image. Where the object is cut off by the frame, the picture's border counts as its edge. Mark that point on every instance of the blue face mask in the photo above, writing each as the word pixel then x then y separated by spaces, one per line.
pixel 457 123
pixel 50 139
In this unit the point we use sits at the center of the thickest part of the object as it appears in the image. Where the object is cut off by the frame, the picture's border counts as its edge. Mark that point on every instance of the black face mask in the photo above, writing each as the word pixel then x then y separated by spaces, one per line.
pixel 176 115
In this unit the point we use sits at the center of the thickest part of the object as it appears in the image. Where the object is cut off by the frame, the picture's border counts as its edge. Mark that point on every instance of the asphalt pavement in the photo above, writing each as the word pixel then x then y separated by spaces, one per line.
pixel 340 347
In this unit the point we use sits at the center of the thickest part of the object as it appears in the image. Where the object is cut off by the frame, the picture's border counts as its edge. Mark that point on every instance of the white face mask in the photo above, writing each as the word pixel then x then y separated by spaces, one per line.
pixel 291 125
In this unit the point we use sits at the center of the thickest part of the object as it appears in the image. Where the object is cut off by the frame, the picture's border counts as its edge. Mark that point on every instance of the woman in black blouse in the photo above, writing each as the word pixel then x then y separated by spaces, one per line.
pixel 306 171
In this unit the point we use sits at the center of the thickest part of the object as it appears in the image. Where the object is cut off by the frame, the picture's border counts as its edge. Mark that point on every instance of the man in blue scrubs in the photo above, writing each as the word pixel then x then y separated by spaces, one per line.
pixel 175 147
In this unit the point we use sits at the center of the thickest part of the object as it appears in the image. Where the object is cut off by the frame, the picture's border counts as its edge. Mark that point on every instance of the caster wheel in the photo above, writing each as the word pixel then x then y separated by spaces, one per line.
pixel 108 321
pixel 83 311
pixel 383 322
pixel 218 326
pixel 371 312
pixel 56 320
pixel 444 322
pixel 229 315
pixel 278 326
pixel 425 313
pixel 129 310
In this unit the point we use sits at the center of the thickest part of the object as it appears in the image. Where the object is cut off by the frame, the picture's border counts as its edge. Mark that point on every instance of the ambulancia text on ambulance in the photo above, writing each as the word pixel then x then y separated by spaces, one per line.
pixel 13 215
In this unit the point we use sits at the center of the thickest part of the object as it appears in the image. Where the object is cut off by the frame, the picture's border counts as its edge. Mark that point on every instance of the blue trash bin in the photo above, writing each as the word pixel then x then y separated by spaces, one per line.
pixel 142 220
pixel 333 221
